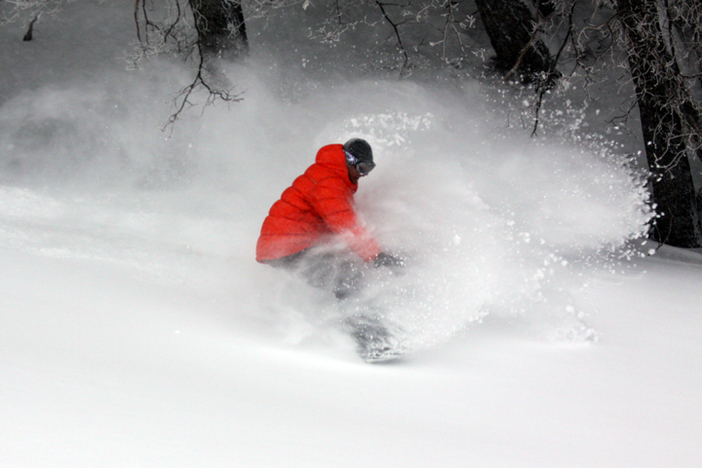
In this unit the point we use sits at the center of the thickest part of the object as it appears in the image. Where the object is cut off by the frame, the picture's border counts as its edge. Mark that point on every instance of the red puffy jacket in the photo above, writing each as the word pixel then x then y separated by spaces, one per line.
pixel 318 204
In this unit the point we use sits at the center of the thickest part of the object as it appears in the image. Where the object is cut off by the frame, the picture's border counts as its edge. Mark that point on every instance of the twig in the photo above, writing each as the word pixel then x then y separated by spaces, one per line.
pixel 30 31
pixel 406 62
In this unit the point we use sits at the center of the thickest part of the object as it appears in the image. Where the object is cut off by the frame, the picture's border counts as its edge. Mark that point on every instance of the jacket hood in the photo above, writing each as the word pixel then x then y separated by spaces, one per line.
pixel 332 157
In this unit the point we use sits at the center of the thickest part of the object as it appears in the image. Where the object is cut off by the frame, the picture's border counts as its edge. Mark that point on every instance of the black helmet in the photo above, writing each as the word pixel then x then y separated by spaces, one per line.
pixel 359 149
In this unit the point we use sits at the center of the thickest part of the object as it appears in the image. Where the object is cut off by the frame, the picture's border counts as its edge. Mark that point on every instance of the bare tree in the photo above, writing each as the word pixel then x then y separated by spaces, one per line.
pixel 221 29
pixel 514 30
pixel 212 31
pixel 662 43
pixel 669 120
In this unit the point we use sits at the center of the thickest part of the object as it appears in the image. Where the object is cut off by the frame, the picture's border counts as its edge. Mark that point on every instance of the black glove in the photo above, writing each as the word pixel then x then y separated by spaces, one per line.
pixel 388 260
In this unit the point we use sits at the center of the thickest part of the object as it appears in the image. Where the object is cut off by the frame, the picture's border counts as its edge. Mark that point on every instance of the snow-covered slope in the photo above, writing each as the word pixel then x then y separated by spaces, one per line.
pixel 103 365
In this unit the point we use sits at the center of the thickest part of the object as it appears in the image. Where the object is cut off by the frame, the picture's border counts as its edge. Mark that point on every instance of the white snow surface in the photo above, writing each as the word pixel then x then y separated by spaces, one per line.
pixel 136 329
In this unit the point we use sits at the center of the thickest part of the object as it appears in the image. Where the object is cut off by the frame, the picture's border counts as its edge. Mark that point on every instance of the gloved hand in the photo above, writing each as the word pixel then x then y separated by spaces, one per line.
pixel 388 260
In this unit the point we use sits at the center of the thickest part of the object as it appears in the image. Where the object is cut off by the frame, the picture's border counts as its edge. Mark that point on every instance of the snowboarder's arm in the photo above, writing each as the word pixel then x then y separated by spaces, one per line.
pixel 332 202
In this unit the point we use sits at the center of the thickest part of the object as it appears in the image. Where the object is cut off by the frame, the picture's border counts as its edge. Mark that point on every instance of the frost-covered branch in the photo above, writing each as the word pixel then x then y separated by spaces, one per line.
pixel 415 30
pixel 450 27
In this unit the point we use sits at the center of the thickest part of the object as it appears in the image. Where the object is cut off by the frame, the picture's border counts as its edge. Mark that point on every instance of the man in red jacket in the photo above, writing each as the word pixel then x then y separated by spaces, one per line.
pixel 302 230
pixel 315 213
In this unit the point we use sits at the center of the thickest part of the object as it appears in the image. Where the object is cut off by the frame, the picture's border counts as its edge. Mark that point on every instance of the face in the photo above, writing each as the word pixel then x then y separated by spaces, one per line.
pixel 354 175
pixel 357 168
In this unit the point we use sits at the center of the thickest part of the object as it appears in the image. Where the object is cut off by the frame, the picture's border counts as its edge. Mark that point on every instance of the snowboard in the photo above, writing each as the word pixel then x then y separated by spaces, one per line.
pixel 376 341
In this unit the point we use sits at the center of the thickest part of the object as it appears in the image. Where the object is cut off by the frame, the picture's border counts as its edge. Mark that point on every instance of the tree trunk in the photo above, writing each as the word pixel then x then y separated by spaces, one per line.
pixel 686 18
pixel 660 97
pixel 510 24
pixel 221 28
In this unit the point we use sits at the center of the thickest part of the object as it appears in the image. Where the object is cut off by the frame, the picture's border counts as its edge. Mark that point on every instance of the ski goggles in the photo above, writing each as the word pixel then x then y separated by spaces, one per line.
pixel 363 167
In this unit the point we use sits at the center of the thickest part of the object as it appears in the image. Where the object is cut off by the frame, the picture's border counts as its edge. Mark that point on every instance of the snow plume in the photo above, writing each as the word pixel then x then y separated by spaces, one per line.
pixel 490 223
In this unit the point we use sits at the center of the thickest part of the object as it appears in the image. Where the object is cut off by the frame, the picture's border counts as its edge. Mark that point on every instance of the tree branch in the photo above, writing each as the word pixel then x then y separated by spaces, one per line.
pixel 403 51
pixel 200 81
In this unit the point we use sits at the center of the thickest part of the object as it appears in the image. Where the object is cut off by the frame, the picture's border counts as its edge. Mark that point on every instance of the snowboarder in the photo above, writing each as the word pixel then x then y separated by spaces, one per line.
pixel 312 216
pixel 315 212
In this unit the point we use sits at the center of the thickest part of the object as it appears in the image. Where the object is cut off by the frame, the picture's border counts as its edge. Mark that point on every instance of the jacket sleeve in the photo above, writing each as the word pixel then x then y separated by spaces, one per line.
pixel 332 201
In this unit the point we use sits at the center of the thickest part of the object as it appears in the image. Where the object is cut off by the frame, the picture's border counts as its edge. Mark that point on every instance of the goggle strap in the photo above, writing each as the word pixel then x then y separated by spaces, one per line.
pixel 350 158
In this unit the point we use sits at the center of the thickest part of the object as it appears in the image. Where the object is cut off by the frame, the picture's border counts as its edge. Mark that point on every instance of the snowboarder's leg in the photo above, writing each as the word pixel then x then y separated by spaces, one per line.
pixel 376 341
pixel 332 272
pixel 347 279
